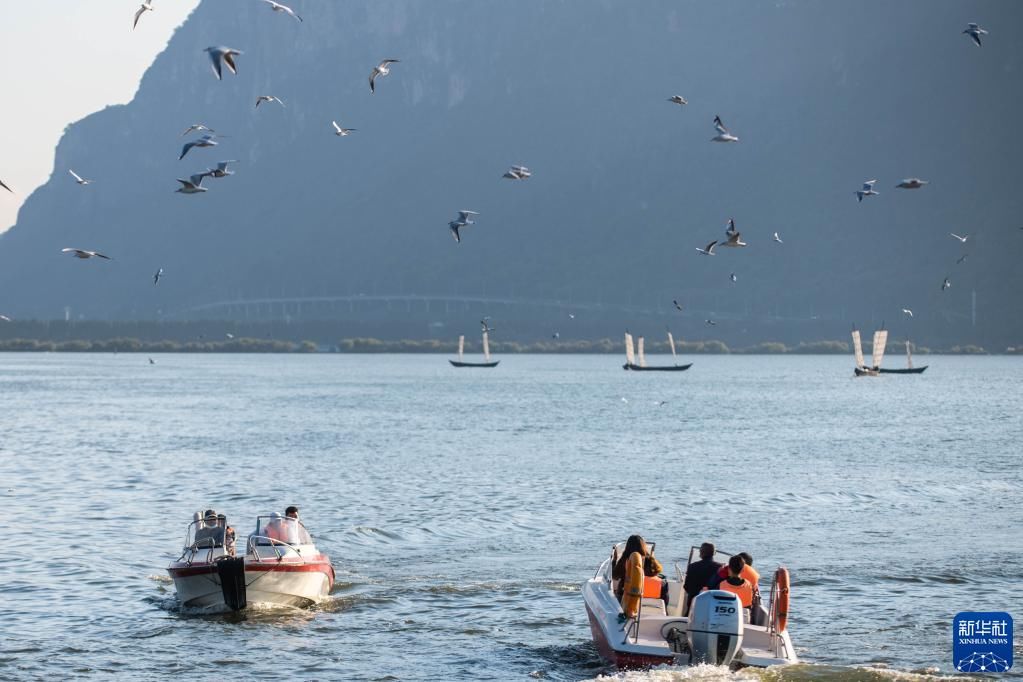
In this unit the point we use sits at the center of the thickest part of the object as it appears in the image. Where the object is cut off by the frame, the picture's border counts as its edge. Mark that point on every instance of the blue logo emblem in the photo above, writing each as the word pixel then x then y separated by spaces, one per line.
pixel 982 641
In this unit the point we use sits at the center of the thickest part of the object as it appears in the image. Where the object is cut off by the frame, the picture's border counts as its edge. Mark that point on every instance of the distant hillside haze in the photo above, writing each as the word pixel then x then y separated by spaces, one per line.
pixel 625 184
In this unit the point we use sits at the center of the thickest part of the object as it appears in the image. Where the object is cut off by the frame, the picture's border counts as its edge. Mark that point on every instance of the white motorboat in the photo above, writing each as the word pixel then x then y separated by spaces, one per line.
pixel 280 565
pixel 716 629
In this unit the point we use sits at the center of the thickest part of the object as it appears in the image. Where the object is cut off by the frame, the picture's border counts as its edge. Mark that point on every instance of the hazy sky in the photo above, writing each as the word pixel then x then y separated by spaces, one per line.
pixel 64 60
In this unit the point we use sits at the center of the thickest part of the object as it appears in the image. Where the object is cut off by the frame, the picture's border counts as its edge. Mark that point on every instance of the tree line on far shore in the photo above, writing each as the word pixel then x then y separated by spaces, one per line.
pixel 370 345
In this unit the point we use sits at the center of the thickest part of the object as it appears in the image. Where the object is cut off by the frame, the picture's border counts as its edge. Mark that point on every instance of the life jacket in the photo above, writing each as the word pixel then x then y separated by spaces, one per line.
pixel 652 586
pixel 747 572
pixel 744 590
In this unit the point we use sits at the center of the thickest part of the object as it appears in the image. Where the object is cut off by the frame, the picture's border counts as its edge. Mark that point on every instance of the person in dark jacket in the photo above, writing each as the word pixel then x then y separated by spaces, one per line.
pixel 699 573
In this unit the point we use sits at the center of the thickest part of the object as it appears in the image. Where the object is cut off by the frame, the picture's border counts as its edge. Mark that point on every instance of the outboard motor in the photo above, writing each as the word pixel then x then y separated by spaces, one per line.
pixel 715 627
pixel 231 571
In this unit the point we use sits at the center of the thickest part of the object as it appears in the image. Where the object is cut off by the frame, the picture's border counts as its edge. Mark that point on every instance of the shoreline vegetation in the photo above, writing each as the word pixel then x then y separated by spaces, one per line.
pixel 371 345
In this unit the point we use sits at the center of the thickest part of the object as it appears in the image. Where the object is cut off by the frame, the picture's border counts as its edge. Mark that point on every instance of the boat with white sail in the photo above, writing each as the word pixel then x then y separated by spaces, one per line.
pixel 487 362
pixel 713 629
pixel 635 359
pixel 880 340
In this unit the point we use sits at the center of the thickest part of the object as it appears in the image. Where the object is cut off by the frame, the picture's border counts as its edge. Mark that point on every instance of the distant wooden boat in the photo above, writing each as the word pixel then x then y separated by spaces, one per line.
pixel 910 369
pixel 641 366
pixel 487 362
pixel 880 339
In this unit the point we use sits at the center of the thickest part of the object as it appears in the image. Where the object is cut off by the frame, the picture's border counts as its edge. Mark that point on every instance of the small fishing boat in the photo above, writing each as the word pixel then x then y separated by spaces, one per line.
pixel 636 361
pixel 910 369
pixel 880 340
pixel 280 565
pixel 715 629
pixel 487 362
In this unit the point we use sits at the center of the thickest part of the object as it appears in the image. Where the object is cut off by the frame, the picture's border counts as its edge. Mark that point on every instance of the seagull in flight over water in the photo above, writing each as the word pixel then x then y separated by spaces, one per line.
pixel 946 284
pixel 975 32
pixel 197 126
pixel 221 170
pixel 269 98
pixel 193 185
pixel 82 253
pixel 711 323
pixel 223 55
pixel 723 134
pixel 708 250
pixel 78 178
pixel 462 221
pixel 734 237
pixel 777 238
pixel 517 173
pixel 486 327
pixel 146 6
pixel 962 239
pixel 678 306
pixel 157 275
pixel 342 132
pixel 911 183
pixel 867 191
pixel 278 7
pixel 962 258
pixel 907 312
pixel 6 187
pixel 204 141
pixel 733 278
pixel 381 70
pixel 678 99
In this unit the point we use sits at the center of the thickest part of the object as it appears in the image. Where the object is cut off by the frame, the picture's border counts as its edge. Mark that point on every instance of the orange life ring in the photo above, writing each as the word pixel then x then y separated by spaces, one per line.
pixel 633 593
pixel 780 599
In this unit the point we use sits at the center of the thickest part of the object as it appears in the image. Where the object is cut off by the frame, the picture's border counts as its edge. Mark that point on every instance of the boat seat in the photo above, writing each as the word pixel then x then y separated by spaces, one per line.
pixel 653 607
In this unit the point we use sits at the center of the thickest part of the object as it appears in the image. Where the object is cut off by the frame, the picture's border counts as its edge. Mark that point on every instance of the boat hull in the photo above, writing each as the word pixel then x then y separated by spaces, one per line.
pixel 913 370
pixel 622 659
pixel 864 372
pixel 667 368
pixel 456 363
pixel 285 583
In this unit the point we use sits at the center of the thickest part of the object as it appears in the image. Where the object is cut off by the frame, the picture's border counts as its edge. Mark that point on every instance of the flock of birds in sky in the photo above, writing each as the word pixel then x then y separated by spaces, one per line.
pixel 222 56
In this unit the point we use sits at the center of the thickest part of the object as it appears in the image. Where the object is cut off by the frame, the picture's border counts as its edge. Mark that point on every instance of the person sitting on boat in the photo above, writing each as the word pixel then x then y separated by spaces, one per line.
pixel 644 561
pixel 736 584
pixel 699 573
pixel 748 572
pixel 210 534
pixel 277 528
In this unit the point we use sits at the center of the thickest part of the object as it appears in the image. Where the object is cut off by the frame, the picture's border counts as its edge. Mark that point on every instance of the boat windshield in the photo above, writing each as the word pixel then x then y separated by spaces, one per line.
pixel 206 533
pixel 284 529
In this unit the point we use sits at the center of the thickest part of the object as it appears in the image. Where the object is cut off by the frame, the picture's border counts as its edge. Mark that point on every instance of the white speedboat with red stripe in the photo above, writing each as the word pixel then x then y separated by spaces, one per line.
pixel 281 565
pixel 715 630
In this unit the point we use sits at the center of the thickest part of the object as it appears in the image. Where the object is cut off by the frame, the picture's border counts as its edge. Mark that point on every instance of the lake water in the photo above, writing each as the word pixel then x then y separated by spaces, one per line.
pixel 463 508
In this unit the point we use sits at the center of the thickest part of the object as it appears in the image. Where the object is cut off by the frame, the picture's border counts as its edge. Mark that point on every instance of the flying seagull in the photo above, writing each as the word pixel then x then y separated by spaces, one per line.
pixel 222 55
pixel 678 99
pixel 6 187
pixel 556 335
pixel 708 250
pixel 342 132
pixel 157 275
pixel 197 126
pixel 517 173
pixel 975 32
pixel 381 70
pixel 486 327
pixel 269 98
pixel 734 238
pixel 723 134
pixel 82 253
pixel 962 258
pixel 221 170
pixel 278 7
pixel 4 318
pixel 907 312
pixel 777 238
pixel 867 191
pixel 78 178
pixel 962 239
pixel 711 323
pixel 193 185
pixel 733 278
pixel 204 141
pixel 912 183
pixel 946 284
pixel 146 6
pixel 678 306
pixel 462 221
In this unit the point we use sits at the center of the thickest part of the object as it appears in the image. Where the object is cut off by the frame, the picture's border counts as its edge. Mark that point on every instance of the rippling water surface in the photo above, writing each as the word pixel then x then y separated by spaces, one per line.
pixel 463 508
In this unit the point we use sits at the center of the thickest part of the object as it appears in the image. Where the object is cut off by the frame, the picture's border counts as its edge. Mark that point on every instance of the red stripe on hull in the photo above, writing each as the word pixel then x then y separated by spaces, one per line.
pixel 622 659
pixel 185 571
